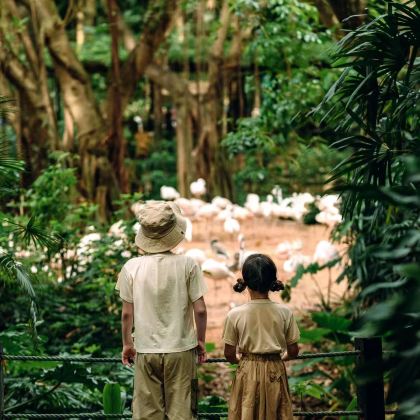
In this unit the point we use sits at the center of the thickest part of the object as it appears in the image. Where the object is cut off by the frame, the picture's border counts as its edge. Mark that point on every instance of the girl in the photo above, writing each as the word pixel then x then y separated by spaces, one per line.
pixel 266 334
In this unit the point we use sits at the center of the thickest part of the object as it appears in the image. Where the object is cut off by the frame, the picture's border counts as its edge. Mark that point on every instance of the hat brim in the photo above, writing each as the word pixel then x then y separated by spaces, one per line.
pixel 165 243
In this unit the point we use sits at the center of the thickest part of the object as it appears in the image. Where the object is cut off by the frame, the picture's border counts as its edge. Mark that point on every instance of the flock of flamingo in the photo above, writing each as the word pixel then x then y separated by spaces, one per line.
pixel 222 213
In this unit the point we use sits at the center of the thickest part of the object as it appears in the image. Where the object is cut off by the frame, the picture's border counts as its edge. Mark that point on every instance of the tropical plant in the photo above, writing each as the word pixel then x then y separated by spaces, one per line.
pixel 29 233
pixel 374 109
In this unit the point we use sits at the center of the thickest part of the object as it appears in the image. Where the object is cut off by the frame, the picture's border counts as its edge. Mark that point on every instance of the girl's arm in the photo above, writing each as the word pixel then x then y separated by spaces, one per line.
pixel 292 352
pixel 230 354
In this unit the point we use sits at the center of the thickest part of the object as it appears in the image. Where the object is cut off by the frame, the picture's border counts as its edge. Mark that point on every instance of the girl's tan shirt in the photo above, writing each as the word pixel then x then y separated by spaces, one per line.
pixel 261 326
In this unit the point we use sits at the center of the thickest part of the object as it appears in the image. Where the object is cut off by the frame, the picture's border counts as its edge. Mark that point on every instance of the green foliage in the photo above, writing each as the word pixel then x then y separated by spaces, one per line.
pixel 51 195
pixel 278 143
pixel 113 403
pixel 212 404
pixel 158 169
pixel 374 108
pixel 314 378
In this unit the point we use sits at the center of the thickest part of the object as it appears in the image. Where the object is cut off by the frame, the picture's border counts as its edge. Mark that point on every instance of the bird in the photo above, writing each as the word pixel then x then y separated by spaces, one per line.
pixel 207 212
pixel 188 230
pixel 216 270
pixel 325 252
pixel 243 253
pixel 221 202
pixel 218 249
pixel 241 213
pixel 278 193
pixel 198 188
pixel 168 193
pixel 197 254
pixel 291 264
pixel 286 248
pixel 231 226
pixel 186 206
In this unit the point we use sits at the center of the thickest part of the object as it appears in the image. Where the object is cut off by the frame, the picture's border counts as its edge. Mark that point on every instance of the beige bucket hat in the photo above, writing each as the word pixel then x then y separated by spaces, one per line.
pixel 162 226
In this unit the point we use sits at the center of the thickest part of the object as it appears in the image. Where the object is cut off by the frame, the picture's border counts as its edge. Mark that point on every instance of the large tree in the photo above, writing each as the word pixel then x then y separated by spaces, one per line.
pixel 27 31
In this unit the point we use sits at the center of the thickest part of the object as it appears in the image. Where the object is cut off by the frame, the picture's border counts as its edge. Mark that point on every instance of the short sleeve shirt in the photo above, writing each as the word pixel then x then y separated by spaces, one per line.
pixel 261 326
pixel 162 288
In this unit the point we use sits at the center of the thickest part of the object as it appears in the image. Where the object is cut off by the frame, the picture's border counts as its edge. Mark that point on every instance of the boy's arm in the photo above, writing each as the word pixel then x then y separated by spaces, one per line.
pixel 127 318
pixel 230 354
pixel 200 316
pixel 292 352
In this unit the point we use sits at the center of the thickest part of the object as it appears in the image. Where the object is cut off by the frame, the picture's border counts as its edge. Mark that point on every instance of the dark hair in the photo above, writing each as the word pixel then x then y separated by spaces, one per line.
pixel 260 274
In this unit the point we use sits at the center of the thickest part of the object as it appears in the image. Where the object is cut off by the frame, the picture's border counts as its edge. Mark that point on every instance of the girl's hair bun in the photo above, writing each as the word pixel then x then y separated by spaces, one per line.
pixel 240 286
pixel 276 286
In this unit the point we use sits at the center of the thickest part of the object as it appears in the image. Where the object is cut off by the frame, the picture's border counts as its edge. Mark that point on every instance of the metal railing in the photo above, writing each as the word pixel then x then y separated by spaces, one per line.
pixel 370 393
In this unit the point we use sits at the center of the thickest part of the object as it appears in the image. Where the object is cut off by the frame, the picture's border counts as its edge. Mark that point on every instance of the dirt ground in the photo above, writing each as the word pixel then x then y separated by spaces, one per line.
pixel 262 236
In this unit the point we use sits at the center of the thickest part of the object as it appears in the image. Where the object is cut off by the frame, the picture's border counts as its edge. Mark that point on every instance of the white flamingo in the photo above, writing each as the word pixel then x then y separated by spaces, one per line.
pixel 198 188
pixel 197 254
pixel 326 252
pixel 243 253
pixel 168 193
pixel 231 226
pixel 217 271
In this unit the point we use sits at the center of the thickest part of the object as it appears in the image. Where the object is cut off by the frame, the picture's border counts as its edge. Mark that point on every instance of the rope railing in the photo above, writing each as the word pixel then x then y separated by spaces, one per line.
pixel 87 359
pixel 362 350
pixel 201 415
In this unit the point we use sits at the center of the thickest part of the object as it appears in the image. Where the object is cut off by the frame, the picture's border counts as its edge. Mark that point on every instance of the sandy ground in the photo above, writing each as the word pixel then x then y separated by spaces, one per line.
pixel 262 236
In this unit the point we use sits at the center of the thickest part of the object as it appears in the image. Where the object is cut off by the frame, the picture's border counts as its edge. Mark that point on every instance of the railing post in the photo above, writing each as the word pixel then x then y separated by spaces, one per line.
pixel 369 376
pixel 1 383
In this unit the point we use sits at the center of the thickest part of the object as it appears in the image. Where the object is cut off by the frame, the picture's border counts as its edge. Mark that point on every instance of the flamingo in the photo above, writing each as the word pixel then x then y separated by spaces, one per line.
pixel 168 193
pixel 197 254
pixel 326 252
pixel 216 271
pixel 231 226
pixel 243 253
pixel 290 265
pixel 198 188
pixel 218 249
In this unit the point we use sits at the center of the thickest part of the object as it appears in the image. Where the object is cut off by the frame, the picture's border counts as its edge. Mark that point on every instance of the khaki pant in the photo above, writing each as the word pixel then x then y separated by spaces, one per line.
pixel 163 385
pixel 260 390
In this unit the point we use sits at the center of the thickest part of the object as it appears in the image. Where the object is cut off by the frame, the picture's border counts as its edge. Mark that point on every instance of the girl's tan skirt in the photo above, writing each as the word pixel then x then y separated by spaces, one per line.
pixel 260 390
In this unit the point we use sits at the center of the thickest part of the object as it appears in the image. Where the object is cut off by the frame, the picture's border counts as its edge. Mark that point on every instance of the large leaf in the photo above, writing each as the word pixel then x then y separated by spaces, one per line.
pixel 112 399
pixel 333 322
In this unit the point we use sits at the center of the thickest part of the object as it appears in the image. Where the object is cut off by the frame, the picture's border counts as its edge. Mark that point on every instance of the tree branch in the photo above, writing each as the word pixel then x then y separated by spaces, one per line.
pixel 176 85
pixel 158 21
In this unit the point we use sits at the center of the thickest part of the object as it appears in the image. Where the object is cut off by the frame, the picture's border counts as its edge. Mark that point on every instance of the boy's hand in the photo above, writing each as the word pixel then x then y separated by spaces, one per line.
pixel 128 354
pixel 201 350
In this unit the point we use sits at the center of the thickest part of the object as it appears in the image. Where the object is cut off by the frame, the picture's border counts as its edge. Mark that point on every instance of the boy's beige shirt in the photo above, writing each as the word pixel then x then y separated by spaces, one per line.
pixel 261 326
pixel 162 288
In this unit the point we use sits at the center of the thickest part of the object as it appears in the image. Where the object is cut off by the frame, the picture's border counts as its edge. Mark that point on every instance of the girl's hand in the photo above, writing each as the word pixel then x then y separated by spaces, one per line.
pixel 201 351
pixel 128 354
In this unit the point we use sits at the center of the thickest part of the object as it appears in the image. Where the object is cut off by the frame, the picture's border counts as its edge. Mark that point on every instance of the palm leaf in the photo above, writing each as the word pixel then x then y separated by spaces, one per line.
pixel 35 234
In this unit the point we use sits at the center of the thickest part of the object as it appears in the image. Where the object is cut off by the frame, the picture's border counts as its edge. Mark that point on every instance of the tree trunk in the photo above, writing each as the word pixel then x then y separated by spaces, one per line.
pixel 158 117
pixel 95 167
pixel 117 140
pixel 184 148
pixel 343 9
pixel 37 134
pixel 326 14
pixel 98 177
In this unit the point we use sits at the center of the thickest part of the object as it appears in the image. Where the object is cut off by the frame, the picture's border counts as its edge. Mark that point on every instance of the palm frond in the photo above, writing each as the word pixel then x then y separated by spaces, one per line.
pixel 14 272
pixel 33 233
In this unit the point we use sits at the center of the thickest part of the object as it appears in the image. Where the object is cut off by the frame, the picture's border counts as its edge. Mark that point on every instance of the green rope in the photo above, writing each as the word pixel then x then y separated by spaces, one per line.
pixel 87 359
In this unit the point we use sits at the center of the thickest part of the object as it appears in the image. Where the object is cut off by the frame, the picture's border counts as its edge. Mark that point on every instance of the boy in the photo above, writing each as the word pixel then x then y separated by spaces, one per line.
pixel 161 292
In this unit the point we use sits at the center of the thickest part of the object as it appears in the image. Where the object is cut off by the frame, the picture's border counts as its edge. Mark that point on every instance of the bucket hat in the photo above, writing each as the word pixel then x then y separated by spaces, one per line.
pixel 162 226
